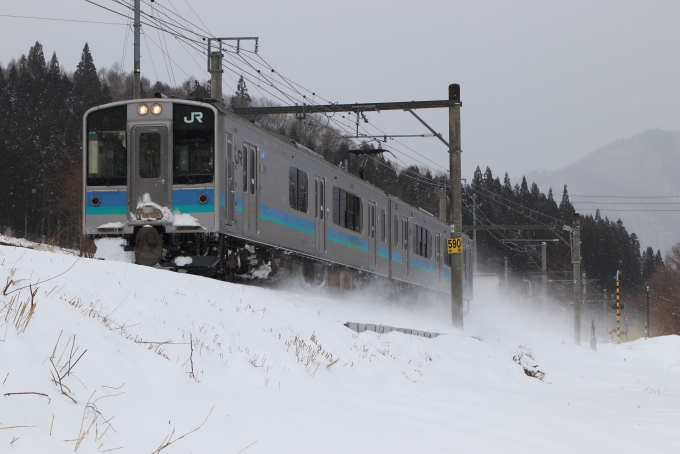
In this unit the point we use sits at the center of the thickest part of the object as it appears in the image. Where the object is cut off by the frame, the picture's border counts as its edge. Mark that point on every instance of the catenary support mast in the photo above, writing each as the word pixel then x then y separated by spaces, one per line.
pixel 136 91
pixel 576 261
pixel 456 206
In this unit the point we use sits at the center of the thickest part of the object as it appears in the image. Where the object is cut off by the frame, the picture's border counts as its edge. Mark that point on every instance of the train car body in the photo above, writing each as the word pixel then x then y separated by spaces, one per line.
pixel 233 199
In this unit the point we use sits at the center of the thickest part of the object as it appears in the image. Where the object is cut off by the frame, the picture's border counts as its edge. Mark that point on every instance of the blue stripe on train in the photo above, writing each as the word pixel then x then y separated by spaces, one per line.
pixel 286 219
pixel 396 256
pixel 422 265
pixel 111 202
pixel 186 200
pixel 347 240
pixel 239 203
pixel 383 252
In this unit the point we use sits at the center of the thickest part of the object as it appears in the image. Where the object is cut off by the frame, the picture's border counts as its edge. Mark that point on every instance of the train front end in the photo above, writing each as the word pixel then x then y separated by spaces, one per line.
pixel 150 163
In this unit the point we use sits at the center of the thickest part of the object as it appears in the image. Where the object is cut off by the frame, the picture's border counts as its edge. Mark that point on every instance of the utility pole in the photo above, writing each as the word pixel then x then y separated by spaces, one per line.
pixel 584 293
pixel 647 330
pixel 544 277
pixel 618 308
pixel 215 69
pixel 456 206
pixel 136 91
pixel 442 203
pixel 604 310
pixel 506 275
pixel 474 234
pixel 576 261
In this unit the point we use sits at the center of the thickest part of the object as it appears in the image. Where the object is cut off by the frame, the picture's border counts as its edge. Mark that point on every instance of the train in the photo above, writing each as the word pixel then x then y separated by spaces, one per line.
pixel 193 187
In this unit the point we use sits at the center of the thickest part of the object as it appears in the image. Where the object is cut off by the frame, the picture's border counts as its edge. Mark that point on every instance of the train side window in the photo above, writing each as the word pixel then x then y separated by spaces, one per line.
pixel 447 256
pixel 395 231
pixel 245 169
pixel 422 242
pixel 347 210
pixel 316 197
pixel 230 158
pixel 252 171
pixel 297 189
pixel 383 220
pixel 321 199
pixel 371 220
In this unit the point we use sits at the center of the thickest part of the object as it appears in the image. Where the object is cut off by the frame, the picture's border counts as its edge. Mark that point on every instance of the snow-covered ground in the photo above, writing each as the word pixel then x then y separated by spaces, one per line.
pixel 154 355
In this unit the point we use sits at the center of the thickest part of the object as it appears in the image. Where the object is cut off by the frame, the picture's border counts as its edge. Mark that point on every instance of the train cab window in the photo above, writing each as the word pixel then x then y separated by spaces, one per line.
pixel 107 147
pixel 383 220
pixel 347 210
pixel 245 169
pixel 193 144
pixel 297 189
pixel 395 231
pixel 149 155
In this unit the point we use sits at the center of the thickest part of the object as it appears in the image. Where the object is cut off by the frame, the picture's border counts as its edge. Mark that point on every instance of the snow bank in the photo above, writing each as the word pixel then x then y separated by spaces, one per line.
pixel 112 249
pixel 182 261
pixel 276 371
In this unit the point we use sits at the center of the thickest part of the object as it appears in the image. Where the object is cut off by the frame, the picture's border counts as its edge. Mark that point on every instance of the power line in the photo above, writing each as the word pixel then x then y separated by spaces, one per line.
pixel 630 203
pixel 630 197
pixel 61 20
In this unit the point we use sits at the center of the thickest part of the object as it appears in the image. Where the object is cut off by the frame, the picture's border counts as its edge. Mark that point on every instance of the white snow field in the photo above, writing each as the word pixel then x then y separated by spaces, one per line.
pixel 277 372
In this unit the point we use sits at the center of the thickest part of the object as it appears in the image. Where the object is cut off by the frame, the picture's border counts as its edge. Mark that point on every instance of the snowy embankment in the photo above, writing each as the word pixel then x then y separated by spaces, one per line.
pixel 110 355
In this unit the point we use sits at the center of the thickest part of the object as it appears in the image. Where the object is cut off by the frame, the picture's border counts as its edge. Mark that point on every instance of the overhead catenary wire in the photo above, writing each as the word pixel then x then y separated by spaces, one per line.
pixel 175 29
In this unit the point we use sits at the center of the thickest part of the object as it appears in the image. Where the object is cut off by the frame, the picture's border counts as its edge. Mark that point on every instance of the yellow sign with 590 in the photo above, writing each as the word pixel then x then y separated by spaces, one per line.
pixel 454 245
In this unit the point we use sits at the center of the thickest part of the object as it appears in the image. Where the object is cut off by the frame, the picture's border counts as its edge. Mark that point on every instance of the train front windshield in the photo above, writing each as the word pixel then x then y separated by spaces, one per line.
pixel 107 147
pixel 194 143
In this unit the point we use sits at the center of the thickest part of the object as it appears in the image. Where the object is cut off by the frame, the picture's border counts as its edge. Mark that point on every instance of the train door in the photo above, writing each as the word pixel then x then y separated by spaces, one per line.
pixel 372 246
pixel 396 253
pixel 253 189
pixel 245 188
pixel 438 255
pixel 149 165
pixel 406 252
pixel 320 215
pixel 229 182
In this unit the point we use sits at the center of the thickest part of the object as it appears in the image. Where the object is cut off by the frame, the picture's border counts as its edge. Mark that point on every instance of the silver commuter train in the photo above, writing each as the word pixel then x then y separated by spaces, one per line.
pixel 230 198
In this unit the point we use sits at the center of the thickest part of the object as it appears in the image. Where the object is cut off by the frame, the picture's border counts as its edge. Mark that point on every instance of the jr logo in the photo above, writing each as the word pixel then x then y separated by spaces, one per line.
pixel 198 116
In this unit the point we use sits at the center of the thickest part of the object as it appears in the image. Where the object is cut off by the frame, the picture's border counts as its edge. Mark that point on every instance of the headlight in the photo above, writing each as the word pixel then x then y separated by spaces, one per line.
pixel 156 109
pixel 142 109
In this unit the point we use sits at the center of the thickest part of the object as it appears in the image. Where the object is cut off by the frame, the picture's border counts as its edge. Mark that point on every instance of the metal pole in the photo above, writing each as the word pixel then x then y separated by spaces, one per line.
pixel 618 309
pixel 647 330
pixel 506 275
pixel 544 277
pixel 456 206
pixel 136 91
pixel 604 310
pixel 576 261
pixel 474 233
pixel 584 293
pixel 216 72
pixel 442 204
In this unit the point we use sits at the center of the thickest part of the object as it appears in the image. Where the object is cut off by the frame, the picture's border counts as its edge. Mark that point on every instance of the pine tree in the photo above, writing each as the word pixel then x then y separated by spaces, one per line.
pixel 87 89
pixel 566 208
pixel 241 98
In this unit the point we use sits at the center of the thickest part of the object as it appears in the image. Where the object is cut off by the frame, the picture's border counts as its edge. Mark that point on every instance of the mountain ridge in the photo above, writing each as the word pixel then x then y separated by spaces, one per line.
pixel 627 174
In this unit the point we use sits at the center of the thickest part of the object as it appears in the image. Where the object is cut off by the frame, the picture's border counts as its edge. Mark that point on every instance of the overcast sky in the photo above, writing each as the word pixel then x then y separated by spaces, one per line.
pixel 542 82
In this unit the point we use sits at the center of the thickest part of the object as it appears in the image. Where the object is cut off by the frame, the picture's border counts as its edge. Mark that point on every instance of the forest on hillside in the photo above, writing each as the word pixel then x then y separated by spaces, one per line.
pixel 41 109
